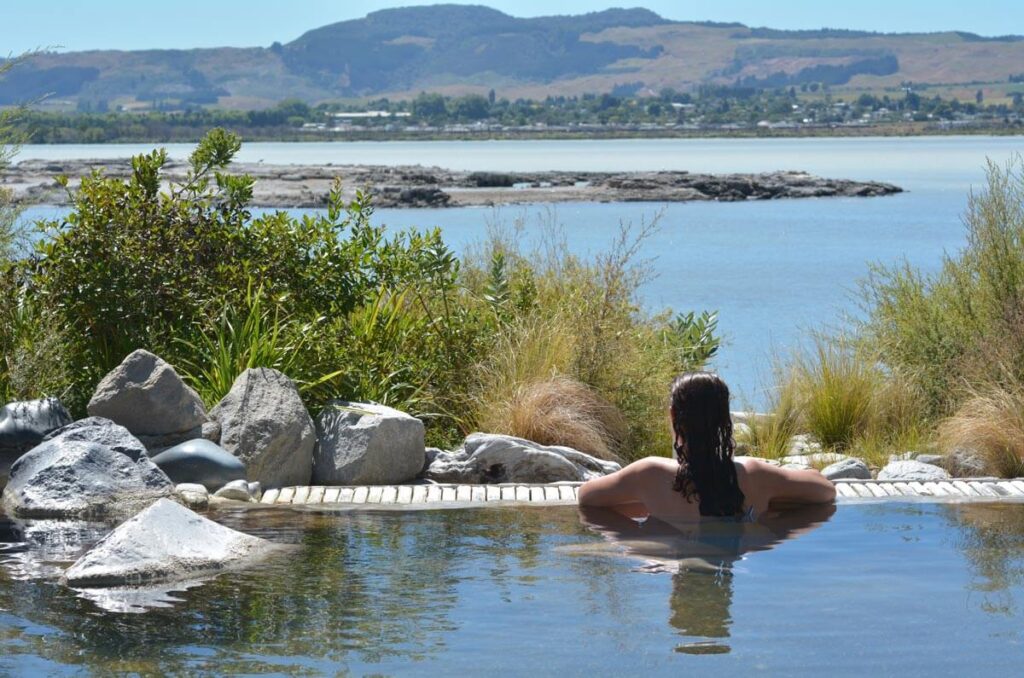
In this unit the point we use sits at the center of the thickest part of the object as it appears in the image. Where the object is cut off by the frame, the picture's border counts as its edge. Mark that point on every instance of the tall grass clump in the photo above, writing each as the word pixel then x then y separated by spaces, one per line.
pixel 576 360
pixel 990 423
pixel 769 436
pixel 962 327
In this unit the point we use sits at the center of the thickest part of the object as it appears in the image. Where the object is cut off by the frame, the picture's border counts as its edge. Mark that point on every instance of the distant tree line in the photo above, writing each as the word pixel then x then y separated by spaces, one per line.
pixel 708 105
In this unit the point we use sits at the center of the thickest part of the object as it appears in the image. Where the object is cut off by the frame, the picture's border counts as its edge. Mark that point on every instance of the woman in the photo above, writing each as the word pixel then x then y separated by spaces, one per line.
pixel 704 480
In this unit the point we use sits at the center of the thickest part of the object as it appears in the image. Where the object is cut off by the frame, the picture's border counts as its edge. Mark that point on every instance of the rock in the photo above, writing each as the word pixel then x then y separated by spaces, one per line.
pixel 156 444
pixel 236 490
pixel 103 432
pixel 145 395
pixel 71 478
pixel 255 491
pixel 964 463
pixel 933 459
pixel 365 444
pixel 851 467
pixel 200 461
pixel 264 423
pixel 165 542
pixel 803 444
pixel 912 470
pixel 815 459
pixel 23 425
pixel 194 495
pixel 749 418
pixel 488 458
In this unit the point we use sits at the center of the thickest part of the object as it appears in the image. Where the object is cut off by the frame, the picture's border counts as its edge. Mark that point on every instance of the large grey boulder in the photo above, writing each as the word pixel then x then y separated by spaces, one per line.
pixel 851 467
pixel 489 458
pixel 165 542
pixel 145 395
pixel 365 444
pixel 71 478
pixel 23 425
pixel 264 423
pixel 200 461
pixel 103 432
pixel 912 470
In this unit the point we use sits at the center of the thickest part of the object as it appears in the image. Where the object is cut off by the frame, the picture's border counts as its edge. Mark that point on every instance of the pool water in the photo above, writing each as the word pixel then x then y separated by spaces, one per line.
pixel 890 588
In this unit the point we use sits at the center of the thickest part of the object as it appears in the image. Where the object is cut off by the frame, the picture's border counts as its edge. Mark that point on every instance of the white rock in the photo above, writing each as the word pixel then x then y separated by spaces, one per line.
pixel 912 470
pixel 237 490
pixel 366 444
pixel 264 423
pixel 489 458
pixel 812 460
pixel 194 495
pixel 803 444
pixel 851 467
pixel 165 542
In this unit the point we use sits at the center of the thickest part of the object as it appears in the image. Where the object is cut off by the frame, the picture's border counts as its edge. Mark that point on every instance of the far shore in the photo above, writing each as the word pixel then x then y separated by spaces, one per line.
pixel 307 186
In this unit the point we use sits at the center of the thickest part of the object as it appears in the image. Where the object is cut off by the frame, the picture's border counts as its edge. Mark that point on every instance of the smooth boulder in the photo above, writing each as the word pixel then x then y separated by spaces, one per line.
pixel 200 461
pixel 165 542
pixel 366 444
pixel 851 467
pixel 912 470
pixel 71 478
pixel 145 395
pixel 103 432
pixel 489 458
pixel 23 425
pixel 264 423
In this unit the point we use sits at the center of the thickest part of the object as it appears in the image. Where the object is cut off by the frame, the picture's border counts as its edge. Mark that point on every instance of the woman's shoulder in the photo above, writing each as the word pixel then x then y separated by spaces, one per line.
pixel 653 465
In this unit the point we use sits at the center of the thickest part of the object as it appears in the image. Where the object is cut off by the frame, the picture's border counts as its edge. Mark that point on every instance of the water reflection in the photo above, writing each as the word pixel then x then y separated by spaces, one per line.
pixel 700 555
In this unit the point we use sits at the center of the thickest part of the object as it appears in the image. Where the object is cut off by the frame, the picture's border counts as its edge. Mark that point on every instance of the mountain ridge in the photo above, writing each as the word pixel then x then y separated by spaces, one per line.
pixel 456 49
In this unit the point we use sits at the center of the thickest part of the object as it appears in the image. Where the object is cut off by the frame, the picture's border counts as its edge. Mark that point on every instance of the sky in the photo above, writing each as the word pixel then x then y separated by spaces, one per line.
pixel 72 25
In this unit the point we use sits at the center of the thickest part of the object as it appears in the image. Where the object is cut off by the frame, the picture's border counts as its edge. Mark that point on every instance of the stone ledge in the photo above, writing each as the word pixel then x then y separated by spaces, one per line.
pixel 446 496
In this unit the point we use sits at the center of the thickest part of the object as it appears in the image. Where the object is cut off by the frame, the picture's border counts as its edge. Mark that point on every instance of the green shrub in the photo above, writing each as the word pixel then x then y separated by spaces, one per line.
pixel 965 324
pixel 187 272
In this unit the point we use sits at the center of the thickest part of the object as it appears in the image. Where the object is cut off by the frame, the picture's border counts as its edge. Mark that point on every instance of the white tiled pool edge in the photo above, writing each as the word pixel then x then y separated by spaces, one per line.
pixel 957 489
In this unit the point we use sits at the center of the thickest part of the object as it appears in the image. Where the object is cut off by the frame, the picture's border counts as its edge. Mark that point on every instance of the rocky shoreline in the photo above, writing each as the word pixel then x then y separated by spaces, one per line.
pixel 307 186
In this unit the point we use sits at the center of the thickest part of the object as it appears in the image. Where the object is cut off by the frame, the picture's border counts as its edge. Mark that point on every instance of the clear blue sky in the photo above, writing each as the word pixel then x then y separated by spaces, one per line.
pixel 139 24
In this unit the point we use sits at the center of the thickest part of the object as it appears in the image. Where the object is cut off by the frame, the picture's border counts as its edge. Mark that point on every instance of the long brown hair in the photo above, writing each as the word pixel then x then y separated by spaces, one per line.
pixel 700 417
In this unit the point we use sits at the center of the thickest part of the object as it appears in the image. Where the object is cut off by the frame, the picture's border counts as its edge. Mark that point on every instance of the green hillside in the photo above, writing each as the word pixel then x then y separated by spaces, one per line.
pixel 457 49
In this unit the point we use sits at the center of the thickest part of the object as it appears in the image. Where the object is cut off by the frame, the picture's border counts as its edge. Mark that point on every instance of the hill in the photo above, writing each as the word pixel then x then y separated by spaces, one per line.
pixel 457 49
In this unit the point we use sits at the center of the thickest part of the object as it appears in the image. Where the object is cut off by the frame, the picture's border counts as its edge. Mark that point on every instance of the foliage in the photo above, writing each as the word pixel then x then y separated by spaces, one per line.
pixel 965 325
pixel 990 422
pixel 569 328
pixel 545 345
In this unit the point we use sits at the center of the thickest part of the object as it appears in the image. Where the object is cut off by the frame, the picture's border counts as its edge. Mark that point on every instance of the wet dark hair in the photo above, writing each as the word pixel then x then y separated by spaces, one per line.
pixel 700 416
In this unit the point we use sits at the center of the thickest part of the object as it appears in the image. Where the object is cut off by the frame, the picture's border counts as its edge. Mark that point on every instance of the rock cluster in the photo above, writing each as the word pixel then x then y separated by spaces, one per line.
pixel 488 458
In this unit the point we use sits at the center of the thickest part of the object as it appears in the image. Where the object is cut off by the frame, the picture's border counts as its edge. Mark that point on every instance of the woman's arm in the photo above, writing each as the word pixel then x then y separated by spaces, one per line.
pixel 797 486
pixel 625 486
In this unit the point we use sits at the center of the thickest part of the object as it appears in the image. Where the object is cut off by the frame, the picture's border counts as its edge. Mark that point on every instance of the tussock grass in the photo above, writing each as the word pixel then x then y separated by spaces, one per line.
pixel 769 436
pixel 577 361
pixel 838 390
pixel 990 423
pixel 560 411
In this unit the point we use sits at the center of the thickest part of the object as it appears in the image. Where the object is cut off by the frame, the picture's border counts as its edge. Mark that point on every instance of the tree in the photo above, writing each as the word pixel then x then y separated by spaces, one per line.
pixel 429 107
pixel 979 97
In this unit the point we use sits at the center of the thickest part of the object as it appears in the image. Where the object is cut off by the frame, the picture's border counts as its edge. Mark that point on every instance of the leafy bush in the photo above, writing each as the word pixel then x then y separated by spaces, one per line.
pixel 526 344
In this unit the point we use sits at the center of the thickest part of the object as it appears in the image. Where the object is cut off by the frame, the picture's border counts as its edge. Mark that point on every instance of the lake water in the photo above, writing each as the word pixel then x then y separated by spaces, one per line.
pixel 876 589
pixel 773 270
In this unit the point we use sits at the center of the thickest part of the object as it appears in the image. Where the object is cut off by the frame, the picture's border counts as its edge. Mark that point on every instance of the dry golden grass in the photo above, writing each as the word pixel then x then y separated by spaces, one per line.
pixel 991 423
pixel 563 411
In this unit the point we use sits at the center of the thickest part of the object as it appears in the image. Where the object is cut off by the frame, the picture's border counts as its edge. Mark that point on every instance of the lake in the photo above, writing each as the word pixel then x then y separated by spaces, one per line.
pixel 774 271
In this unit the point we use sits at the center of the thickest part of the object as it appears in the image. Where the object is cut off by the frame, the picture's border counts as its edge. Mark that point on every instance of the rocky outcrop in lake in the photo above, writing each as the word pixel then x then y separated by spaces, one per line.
pixel 417 186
